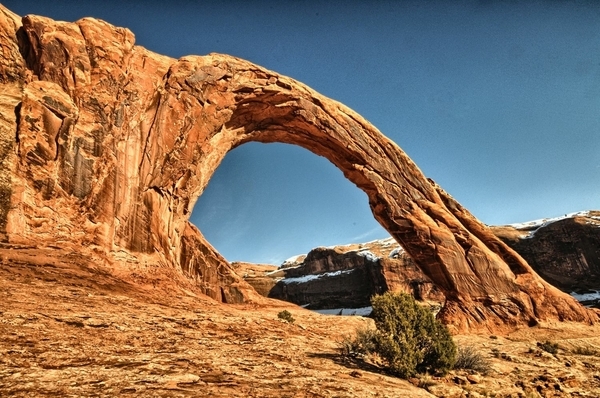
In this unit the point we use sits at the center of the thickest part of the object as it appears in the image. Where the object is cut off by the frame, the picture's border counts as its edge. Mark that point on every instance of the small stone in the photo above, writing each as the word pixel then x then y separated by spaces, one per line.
pixel 95 323
pixel 474 379
pixel 462 380
pixel 414 381
pixel 187 378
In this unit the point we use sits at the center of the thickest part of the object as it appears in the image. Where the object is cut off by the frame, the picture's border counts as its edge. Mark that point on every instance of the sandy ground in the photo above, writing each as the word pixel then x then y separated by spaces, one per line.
pixel 70 327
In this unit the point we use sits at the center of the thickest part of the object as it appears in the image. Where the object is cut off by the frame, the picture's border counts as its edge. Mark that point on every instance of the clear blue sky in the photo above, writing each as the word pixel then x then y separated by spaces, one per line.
pixel 498 101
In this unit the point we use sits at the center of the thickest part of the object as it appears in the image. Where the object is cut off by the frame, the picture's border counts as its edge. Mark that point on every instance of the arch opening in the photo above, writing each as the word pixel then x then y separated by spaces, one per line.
pixel 267 203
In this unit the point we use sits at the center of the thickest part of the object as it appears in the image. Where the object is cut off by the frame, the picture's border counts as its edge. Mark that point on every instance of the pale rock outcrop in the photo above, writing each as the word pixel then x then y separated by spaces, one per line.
pixel 108 144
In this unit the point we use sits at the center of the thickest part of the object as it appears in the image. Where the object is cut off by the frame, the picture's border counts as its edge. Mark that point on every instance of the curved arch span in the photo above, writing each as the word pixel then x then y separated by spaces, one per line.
pixel 484 280
pixel 129 139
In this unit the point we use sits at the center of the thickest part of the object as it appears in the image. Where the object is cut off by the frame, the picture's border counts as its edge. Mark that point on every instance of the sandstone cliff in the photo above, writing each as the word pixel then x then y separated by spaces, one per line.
pixel 108 145
pixel 347 276
pixel 564 251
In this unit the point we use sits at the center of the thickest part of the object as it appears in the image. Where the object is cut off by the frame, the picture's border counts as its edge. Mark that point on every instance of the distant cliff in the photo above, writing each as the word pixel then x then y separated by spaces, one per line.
pixel 564 250
pixel 346 276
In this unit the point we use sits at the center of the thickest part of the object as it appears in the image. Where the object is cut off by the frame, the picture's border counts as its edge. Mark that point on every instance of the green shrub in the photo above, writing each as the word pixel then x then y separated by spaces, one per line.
pixel 548 346
pixel 409 339
pixel 286 316
pixel 361 344
pixel 469 358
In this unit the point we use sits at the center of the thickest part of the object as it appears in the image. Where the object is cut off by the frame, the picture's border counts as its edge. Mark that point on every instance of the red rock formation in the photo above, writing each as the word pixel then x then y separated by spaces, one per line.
pixel 108 144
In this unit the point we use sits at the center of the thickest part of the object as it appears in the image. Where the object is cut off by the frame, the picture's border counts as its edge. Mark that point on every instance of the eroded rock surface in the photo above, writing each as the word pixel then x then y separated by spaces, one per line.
pixel 72 328
pixel 257 275
pixel 109 145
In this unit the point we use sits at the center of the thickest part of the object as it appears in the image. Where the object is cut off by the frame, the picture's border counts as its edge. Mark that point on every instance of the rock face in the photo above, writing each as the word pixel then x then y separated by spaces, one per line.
pixel 564 251
pixel 257 275
pixel 109 145
pixel 347 276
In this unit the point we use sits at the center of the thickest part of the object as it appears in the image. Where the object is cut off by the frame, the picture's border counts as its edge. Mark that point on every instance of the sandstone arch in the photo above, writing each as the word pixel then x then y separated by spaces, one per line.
pixel 114 144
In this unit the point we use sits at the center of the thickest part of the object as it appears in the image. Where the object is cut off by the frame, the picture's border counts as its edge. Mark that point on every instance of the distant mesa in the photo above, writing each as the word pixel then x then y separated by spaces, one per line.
pixel 106 147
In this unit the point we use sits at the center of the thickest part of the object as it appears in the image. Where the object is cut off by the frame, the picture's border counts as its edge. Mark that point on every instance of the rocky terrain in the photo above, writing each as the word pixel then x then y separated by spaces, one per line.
pixel 109 145
pixel 73 327
pixel 107 289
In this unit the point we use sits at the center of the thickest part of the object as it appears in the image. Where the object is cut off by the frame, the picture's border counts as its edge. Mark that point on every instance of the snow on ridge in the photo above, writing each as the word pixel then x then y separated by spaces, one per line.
pixel 396 252
pixel 292 260
pixel 308 278
pixel 542 222
pixel 531 227
pixel 368 255
pixel 282 270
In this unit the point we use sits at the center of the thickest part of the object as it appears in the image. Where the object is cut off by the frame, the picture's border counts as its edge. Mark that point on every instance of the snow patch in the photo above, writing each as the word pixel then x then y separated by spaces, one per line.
pixel 396 252
pixel 369 256
pixel 363 311
pixel 282 270
pixel 308 278
pixel 590 296
pixel 291 260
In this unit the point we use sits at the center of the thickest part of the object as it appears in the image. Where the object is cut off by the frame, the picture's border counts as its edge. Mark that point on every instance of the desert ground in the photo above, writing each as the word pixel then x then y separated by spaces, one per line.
pixel 72 326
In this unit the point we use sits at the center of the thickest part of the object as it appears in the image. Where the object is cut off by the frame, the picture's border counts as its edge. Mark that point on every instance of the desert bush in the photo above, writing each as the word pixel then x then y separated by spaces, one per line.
pixel 362 343
pixel 409 339
pixel 471 359
pixel 286 316
pixel 548 346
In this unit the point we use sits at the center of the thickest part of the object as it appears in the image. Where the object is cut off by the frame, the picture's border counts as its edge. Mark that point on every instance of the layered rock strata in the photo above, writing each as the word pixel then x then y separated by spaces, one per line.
pixel 108 144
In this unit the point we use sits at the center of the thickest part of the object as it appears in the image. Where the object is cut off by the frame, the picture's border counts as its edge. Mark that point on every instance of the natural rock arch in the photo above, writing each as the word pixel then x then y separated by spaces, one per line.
pixel 115 144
